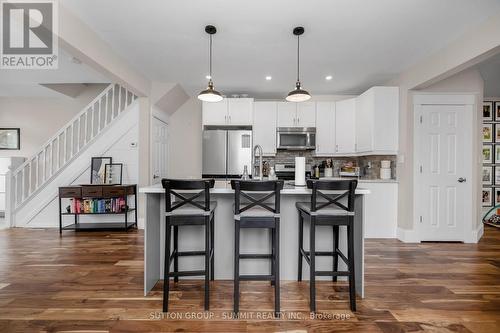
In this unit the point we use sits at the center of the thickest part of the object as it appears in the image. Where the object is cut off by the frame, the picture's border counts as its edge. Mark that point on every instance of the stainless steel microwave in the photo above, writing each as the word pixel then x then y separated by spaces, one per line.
pixel 296 138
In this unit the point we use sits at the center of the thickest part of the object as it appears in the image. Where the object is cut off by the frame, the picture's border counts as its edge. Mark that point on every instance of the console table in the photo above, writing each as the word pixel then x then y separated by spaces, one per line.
pixel 98 192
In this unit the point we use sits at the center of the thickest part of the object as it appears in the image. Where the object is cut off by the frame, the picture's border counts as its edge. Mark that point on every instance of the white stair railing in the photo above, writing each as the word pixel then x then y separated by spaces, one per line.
pixel 63 147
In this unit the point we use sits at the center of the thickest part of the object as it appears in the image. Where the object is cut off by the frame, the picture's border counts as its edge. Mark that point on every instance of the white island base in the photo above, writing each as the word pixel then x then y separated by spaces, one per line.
pixel 252 240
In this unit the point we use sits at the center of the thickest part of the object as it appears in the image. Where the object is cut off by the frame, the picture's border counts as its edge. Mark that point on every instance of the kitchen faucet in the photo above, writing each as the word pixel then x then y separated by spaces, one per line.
pixel 259 148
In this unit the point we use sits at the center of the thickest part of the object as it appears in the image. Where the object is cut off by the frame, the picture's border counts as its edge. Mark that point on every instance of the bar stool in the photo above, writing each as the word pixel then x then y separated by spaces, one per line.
pixel 321 213
pixel 182 212
pixel 256 212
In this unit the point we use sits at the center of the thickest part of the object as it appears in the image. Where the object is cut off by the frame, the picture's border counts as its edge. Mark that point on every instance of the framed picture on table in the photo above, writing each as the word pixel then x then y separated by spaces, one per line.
pixel 98 169
pixel 113 173
pixel 488 133
pixel 497 111
pixel 488 111
pixel 487 200
pixel 487 175
pixel 487 154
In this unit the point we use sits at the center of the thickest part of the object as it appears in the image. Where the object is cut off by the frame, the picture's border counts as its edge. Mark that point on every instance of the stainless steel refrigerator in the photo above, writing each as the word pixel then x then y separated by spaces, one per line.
pixel 226 152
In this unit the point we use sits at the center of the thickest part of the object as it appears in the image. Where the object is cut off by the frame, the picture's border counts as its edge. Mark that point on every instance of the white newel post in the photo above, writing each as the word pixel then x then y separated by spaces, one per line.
pixel 10 192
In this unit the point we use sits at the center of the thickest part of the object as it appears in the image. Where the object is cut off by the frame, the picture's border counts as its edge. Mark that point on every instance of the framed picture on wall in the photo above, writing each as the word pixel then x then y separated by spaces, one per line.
pixel 487 154
pixel 488 111
pixel 487 197
pixel 10 138
pixel 487 175
pixel 98 169
pixel 497 154
pixel 497 175
pixel 488 133
pixel 496 192
pixel 497 111
pixel 497 132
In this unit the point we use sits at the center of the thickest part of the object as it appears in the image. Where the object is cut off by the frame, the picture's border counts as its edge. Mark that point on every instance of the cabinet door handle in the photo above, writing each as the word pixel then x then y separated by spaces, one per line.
pixel 225 119
pixel 336 148
pixel 229 119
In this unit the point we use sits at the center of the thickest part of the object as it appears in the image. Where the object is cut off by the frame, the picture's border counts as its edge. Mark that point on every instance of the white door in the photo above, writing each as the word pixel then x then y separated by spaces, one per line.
pixel 345 130
pixel 215 113
pixel 240 111
pixel 306 114
pixel 443 171
pixel 287 114
pixel 325 128
pixel 160 150
pixel 264 126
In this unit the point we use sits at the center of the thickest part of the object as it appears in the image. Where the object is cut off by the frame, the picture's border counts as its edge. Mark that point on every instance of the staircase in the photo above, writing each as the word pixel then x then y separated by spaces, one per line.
pixel 70 142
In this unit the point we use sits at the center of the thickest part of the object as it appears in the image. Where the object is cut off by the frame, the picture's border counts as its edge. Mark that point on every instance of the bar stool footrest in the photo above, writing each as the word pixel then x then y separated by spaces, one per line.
pixel 256 277
pixel 330 273
pixel 255 256
pixel 187 273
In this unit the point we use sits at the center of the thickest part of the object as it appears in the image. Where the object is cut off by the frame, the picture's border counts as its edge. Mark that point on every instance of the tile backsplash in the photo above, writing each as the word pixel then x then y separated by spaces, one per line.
pixel 369 165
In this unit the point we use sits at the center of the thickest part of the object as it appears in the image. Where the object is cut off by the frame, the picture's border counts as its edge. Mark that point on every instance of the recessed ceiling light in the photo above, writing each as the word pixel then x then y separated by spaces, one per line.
pixel 208 77
pixel 269 78
pixel 328 77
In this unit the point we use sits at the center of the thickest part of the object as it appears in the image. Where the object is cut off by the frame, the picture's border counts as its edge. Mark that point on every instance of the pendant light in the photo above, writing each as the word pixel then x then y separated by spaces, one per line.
pixel 298 94
pixel 210 94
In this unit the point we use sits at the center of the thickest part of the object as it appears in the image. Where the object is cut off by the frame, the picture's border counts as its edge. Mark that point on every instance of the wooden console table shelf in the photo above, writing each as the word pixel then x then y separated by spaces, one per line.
pixel 96 192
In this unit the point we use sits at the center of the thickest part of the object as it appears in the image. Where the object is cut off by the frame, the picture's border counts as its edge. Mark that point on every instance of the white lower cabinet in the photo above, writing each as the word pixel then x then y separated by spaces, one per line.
pixel 381 209
pixel 264 126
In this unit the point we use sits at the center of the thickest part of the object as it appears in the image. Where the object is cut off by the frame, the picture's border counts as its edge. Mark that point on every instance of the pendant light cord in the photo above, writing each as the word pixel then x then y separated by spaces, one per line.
pixel 210 63
pixel 298 58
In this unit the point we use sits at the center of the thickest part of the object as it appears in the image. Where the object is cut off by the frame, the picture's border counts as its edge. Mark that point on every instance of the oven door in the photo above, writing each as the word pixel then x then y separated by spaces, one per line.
pixel 296 139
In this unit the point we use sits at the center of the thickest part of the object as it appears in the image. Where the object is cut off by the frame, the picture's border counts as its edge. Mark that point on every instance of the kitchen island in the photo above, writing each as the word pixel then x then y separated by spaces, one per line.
pixel 252 240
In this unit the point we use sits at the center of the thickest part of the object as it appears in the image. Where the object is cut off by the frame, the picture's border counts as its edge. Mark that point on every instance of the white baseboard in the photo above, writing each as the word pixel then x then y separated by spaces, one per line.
pixel 476 234
pixel 407 235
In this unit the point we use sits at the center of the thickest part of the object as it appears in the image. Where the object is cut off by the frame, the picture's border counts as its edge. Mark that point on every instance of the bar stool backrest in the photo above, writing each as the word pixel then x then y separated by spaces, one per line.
pixel 271 188
pixel 346 188
pixel 171 187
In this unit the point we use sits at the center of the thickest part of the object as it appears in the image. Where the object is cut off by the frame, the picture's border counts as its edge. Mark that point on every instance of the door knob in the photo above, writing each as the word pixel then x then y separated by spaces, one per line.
pixel 155 176
pixel 462 180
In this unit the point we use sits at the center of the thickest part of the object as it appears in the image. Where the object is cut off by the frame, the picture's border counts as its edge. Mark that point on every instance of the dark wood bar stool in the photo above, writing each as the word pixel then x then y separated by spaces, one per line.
pixel 328 213
pixel 257 212
pixel 186 210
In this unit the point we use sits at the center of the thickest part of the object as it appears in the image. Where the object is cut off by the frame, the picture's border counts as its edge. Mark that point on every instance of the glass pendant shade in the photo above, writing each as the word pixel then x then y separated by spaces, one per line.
pixel 210 94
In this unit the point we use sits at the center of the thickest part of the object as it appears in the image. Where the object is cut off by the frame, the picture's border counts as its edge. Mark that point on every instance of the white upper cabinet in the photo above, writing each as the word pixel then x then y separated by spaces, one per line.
pixel 229 111
pixel 306 114
pixel 345 126
pixel 240 111
pixel 287 114
pixel 325 128
pixel 264 126
pixel 215 113
pixel 292 114
pixel 377 112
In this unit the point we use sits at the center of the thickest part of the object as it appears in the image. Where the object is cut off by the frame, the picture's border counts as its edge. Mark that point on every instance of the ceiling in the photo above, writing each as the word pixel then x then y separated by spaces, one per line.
pixel 490 71
pixel 359 42
pixel 26 83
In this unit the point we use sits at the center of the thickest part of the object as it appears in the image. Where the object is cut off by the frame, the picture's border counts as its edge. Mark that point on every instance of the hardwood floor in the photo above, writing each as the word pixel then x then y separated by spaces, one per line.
pixel 93 282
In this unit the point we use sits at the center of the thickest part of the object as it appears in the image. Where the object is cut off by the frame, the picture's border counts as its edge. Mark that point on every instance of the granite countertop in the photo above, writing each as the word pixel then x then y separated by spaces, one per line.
pixel 224 188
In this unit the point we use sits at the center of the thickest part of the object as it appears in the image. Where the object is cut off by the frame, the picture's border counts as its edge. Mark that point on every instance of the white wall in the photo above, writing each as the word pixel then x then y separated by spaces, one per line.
pixel 40 118
pixel 185 141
